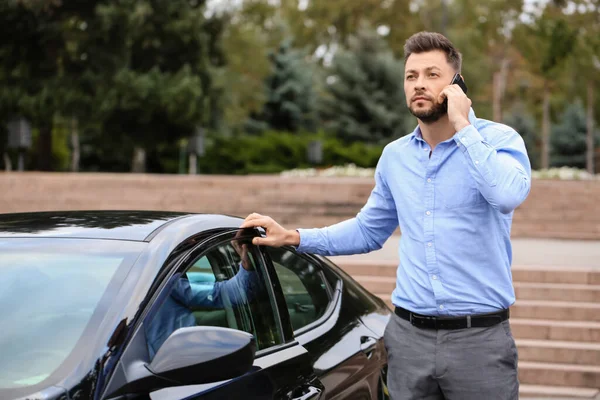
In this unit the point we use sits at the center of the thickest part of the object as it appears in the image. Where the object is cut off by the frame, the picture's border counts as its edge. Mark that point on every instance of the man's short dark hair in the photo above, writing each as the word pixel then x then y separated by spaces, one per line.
pixel 430 41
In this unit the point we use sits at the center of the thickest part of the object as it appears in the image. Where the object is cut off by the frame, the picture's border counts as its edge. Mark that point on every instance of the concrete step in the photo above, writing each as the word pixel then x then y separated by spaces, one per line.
pixel 559 310
pixel 520 273
pixel 570 331
pixel 536 373
pixel 554 351
pixel 540 392
pixel 523 290
pixel 356 267
pixel 553 274
pixel 557 291
pixel 543 329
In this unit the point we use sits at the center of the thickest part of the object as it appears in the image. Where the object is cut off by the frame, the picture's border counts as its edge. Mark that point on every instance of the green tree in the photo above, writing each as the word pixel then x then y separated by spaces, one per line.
pixel 364 98
pixel 569 138
pixel 526 126
pixel 546 45
pixel 585 66
pixel 32 53
pixel 242 81
pixel 290 93
pixel 163 85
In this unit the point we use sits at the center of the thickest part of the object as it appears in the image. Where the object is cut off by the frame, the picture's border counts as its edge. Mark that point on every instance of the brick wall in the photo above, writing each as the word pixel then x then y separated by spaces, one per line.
pixel 557 209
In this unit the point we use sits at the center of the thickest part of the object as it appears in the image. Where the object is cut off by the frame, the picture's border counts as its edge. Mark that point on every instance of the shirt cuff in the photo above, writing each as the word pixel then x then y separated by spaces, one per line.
pixel 467 137
pixel 308 239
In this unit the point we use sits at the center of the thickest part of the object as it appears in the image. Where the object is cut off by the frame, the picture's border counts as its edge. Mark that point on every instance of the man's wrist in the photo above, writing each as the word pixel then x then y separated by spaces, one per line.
pixel 461 124
pixel 293 238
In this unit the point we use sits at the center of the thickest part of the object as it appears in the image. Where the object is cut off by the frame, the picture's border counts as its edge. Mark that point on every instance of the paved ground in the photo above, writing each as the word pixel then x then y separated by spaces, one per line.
pixel 551 252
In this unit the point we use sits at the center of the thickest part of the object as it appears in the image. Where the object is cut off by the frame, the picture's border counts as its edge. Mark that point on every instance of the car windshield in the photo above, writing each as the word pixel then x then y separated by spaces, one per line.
pixel 49 290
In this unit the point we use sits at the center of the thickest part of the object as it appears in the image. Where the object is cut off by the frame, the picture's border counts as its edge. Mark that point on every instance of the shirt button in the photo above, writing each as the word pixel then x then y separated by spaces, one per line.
pixel 441 306
pixel 476 162
pixel 429 180
pixel 429 244
pixel 458 144
pixel 434 277
pixel 428 213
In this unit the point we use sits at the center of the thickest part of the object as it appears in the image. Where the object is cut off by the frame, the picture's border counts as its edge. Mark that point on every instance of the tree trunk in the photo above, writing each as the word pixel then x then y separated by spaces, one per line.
pixel 75 148
pixel 590 129
pixel 499 88
pixel 193 166
pixel 44 148
pixel 139 160
pixel 546 128
pixel 7 162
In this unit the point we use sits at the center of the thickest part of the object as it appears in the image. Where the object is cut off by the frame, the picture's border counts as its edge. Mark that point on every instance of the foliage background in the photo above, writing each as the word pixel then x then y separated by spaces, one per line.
pixel 238 87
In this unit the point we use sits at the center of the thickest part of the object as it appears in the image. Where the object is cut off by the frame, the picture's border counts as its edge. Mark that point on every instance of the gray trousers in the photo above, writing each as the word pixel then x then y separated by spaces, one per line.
pixel 461 364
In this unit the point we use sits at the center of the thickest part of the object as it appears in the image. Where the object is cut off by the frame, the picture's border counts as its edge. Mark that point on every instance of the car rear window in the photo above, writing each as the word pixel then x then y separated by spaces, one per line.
pixel 49 290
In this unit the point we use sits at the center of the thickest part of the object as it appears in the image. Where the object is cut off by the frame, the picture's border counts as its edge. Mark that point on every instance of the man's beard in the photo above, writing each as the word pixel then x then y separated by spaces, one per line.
pixel 432 115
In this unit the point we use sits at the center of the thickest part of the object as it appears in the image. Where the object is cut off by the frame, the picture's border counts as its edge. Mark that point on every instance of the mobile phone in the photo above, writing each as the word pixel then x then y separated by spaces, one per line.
pixel 458 80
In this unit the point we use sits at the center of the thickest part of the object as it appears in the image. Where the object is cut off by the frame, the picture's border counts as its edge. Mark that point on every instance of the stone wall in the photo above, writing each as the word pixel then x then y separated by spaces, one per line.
pixel 557 209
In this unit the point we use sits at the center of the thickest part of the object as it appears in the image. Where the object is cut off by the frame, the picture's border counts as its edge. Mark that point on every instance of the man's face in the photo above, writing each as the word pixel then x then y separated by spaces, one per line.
pixel 425 76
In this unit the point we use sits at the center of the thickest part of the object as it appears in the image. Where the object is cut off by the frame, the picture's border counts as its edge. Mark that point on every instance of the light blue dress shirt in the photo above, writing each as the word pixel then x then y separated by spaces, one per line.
pixel 455 213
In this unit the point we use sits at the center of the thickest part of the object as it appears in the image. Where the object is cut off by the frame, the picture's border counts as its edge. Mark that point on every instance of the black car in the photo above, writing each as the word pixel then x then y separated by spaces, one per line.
pixel 159 305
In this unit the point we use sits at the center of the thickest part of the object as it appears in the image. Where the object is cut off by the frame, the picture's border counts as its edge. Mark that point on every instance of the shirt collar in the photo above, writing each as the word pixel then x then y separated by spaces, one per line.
pixel 419 136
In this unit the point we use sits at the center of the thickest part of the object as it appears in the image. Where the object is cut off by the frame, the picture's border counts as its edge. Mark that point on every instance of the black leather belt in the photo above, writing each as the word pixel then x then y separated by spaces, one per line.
pixel 468 321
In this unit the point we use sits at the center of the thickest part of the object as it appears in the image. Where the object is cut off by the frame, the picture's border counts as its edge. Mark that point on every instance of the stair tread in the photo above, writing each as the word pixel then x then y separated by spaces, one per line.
pixel 522 267
pixel 558 390
pixel 533 285
pixel 559 367
pixel 575 324
pixel 554 303
pixel 554 268
pixel 558 344
pixel 569 286
pixel 528 321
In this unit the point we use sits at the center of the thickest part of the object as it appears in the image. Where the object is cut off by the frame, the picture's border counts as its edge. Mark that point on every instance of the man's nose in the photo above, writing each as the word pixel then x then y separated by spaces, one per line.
pixel 419 85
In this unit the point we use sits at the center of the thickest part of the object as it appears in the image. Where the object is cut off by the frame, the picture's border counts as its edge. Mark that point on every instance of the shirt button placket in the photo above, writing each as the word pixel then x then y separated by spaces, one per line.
pixel 428 224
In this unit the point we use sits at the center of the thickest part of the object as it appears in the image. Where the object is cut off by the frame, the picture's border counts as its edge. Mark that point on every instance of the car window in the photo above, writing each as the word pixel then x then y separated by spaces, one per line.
pixel 304 286
pixel 51 288
pixel 225 287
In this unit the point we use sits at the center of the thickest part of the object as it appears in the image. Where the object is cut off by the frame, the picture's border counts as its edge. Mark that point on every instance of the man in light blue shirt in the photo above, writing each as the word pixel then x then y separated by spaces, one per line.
pixel 452 186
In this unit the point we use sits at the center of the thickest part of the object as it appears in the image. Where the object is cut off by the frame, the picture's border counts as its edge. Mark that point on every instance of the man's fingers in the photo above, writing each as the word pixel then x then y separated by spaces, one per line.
pixel 442 95
pixel 253 216
pixel 259 241
pixel 264 222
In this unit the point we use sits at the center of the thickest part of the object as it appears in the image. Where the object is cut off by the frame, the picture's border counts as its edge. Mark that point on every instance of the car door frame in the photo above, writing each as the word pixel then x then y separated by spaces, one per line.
pixel 312 332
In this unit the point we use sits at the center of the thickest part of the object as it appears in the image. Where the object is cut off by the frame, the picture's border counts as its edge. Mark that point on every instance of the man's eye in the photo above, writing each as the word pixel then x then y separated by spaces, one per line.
pixel 433 74
pixel 409 77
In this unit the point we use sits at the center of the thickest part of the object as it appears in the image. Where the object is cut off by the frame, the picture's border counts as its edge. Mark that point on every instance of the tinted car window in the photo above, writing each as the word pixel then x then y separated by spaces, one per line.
pixel 49 291
pixel 223 287
pixel 303 284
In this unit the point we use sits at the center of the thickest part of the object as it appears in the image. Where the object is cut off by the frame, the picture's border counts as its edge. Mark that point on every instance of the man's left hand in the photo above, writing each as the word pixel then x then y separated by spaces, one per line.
pixel 459 106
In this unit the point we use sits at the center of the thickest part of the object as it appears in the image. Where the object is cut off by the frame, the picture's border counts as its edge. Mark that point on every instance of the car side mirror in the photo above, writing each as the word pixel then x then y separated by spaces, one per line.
pixel 204 354
pixel 192 356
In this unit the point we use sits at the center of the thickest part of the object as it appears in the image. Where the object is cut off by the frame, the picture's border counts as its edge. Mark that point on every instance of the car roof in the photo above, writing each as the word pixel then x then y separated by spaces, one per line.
pixel 119 225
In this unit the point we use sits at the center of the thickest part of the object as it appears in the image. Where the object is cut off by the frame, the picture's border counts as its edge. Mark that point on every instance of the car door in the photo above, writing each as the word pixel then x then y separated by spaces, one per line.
pixel 347 357
pixel 223 282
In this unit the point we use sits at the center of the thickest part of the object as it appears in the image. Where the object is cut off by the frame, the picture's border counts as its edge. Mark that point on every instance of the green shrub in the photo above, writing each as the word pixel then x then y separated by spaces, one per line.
pixel 274 152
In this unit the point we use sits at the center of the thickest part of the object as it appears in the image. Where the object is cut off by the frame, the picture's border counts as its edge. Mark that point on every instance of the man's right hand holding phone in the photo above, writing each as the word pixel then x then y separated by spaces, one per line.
pixel 459 106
